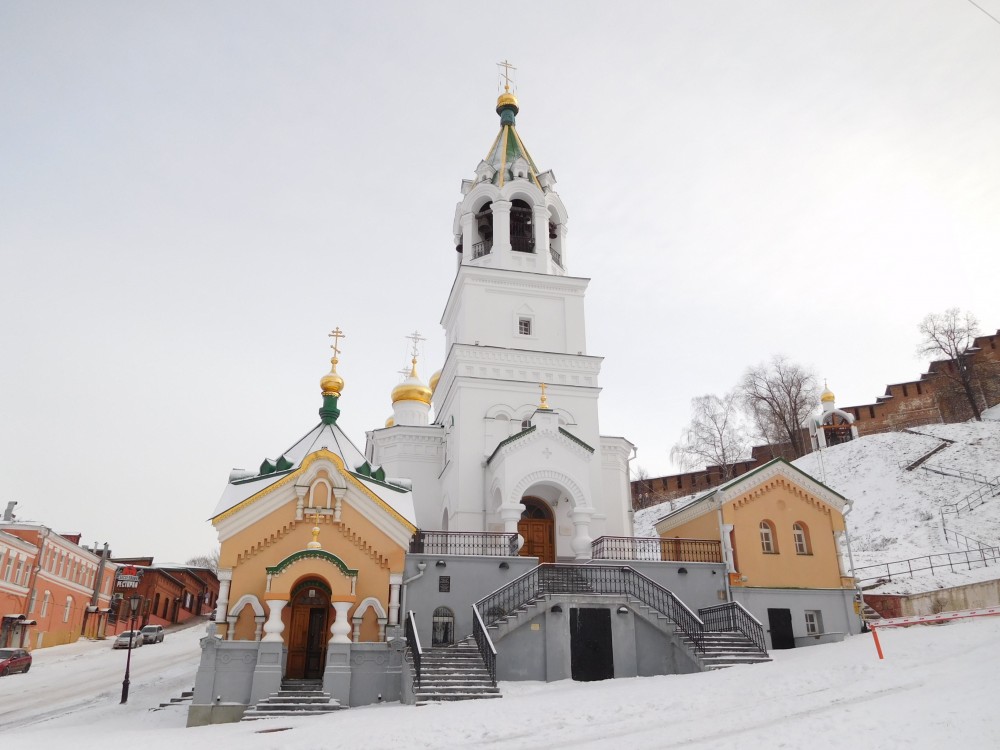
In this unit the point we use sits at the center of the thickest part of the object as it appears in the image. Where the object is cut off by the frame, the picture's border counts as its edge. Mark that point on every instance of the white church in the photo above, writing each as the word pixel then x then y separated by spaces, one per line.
pixel 485 533
pixel 515 442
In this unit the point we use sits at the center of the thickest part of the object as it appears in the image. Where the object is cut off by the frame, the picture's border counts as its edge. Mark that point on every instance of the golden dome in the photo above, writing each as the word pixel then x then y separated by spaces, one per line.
pixel 331 383
pixel 390 422
pixel 434 381
pixel 412 389
pixel 505 99
pixel 827 395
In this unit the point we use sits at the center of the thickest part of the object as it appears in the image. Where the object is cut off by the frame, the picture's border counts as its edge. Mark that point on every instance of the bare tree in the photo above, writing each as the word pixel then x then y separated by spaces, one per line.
pixel 952 335
pixel 210 561
pixel 715 436
pixel 778 397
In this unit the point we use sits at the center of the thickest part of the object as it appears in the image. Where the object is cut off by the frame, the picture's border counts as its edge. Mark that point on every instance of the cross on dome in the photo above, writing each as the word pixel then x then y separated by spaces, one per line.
pixel 505 73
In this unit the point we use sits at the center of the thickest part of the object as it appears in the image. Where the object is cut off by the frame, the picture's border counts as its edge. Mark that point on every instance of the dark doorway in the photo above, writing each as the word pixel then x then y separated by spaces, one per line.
pixel 443 627
pixel 308 632
pixel 780 623
pixel 591 654
pixel 538 529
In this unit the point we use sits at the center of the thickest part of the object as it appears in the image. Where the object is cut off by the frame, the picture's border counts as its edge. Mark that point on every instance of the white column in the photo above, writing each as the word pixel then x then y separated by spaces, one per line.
pixel 222 603
pixel 274 627
pixel 258 621
pixel 581 537
pixel 469 235
pixel 501 232
pixel 540 223
pixel 357 630
pixel 341 627
pixel 395 581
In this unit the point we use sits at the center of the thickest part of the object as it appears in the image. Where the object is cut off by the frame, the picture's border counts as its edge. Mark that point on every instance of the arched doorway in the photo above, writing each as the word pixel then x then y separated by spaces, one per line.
pixel 537 527
pixel 443 627
pixel 308 634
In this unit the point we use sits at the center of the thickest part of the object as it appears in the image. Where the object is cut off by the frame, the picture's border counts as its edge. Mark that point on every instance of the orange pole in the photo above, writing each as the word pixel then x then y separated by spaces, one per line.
pixel 878 646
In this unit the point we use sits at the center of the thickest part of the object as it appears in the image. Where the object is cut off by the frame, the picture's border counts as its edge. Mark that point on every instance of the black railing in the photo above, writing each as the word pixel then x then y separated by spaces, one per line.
pixel 522 244
pixel 649 548
pixel 480 249
pixel 963 541
pixel 964 560
pixel 732 617
pixel 486 648
pixel 599 580
pixel 413 641
pixel 485 543
pixel 556 256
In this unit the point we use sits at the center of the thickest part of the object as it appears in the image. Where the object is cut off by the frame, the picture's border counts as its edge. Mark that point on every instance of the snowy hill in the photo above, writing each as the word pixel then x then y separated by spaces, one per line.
pixel 897 512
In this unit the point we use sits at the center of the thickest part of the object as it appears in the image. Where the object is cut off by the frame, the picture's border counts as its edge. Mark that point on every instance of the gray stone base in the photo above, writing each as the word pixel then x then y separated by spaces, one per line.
pixel 223 713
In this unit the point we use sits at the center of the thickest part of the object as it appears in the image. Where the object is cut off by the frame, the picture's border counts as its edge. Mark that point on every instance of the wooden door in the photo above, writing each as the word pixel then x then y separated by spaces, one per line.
pixel 538 530
pixel 308 636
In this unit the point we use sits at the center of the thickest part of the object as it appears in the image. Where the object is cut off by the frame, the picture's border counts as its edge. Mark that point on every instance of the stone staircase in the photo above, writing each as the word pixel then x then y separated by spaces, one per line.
pixel 183 700
pixel 454 673
pixel 296 698
pixel 868 614
pixel 726 650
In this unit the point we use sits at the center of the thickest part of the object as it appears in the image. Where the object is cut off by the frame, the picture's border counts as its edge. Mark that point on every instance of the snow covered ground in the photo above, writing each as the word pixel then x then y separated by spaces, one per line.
pixel 933 690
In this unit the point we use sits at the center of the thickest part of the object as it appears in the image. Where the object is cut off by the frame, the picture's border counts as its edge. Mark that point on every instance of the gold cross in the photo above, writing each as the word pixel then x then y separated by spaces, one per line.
pixel 545 403
pixel 507 67
pixel 336 334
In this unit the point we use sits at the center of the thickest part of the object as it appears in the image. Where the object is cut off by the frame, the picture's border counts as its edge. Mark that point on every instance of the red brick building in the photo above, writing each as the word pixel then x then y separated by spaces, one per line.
pixel 170 593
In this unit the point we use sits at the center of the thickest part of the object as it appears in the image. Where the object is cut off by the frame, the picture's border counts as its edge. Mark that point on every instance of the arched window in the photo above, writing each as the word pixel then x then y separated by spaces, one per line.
pixel 45 603
pixel 768 539
pixel 522 236
pixel 483 244
pixel 800 532
pixel 443 627
pixel 69 607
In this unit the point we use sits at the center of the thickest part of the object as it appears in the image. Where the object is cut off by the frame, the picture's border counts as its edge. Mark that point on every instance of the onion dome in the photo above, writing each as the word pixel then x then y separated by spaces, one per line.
pixel 332 384
pixel 827 396
pixel 390 422
pixel 435 378
pixel 507 100
pixel 412 389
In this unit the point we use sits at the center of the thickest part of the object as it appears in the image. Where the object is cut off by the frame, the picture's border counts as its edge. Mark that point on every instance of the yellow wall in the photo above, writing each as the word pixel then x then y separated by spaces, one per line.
pixel 354 539
pixel 784 503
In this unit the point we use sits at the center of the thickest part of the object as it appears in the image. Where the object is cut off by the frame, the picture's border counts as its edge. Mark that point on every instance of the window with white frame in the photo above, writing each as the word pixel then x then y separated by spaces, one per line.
pixel 801 535
pixel 524 325
pixel 7 569
pixel 45 603
pixel 69 608
pixel 17 572
pixel 814 622
pixel 767 542
pixel 31 602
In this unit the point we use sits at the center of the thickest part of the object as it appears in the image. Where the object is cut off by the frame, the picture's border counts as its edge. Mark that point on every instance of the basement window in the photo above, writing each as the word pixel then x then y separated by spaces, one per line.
pixel 814 622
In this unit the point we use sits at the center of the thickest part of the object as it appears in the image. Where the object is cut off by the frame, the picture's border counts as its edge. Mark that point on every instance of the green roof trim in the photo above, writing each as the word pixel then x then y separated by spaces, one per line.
pixel 258 477
pixel 380 482
pixel 312 554
pixel 510 440
pixel 575 439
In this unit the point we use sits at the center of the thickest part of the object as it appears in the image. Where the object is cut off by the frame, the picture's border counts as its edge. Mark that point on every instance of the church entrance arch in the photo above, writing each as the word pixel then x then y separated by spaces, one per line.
pixel 309 632
pixel 538 529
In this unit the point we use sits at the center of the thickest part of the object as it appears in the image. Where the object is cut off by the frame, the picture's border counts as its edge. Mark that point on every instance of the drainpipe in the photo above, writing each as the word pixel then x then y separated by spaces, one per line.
pixel 850 557
pixel 421 566
pixel 724 546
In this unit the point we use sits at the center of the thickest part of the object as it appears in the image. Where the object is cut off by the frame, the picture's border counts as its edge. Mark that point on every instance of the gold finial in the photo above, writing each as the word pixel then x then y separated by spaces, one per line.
pixel 507 67
pixel 545 402
pixel 314 544
pixel 332 383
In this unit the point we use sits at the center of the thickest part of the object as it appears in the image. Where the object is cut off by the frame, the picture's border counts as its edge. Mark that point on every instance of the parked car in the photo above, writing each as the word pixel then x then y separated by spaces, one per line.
pixel 152 634
pixel 122 641
pixel 14 660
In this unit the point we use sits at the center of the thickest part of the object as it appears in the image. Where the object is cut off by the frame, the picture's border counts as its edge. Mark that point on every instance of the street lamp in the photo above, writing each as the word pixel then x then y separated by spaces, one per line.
pixel 133 605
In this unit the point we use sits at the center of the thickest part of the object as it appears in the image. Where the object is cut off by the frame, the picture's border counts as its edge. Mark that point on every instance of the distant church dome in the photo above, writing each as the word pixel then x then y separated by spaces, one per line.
pixel 507 99
pixel 434 381
pixel 332 383
pixel 827 396
pixel 390 422
pixel 412 389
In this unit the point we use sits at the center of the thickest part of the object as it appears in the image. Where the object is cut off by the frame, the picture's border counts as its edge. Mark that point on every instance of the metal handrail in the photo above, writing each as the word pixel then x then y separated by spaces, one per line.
pixel 487 650
pixel 659 549
pixel 734 617
pixel 413 641
pixel 599 580
pixel 970 558
pixel 974 499
pixel 480 543
pixel 968 541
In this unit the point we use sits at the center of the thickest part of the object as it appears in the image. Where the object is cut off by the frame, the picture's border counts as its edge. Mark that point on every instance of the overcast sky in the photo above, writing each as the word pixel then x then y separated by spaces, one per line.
pixel 193 194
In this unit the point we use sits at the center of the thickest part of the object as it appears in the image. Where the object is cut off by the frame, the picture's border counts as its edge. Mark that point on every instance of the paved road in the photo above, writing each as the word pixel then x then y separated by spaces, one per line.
pixel 65 680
